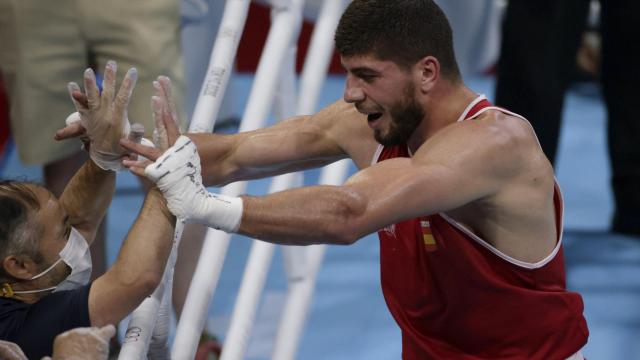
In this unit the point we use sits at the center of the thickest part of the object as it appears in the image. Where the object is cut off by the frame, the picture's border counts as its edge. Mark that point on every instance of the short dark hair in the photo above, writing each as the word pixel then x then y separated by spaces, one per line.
pixel 403 31
pixel 19 232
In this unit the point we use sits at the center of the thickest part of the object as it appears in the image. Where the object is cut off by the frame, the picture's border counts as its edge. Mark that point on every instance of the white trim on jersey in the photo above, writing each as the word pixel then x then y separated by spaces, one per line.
pixel 468 232
pixel 463 116
pixel 376 155
pixel 500 254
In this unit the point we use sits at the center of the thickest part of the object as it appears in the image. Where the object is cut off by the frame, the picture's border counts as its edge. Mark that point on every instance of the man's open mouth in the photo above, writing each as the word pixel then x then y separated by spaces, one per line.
pixel 373 117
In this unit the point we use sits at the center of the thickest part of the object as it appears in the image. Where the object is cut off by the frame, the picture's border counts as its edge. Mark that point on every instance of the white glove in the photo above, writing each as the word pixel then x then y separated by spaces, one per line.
pixel 177 174
pixel 83 343
pixel 104 117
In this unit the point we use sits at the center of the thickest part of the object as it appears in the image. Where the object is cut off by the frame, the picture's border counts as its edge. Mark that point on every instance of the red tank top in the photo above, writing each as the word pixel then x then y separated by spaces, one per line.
pixel 455 296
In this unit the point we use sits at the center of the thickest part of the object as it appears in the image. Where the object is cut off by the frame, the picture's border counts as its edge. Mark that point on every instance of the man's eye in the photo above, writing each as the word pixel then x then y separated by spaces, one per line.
pixel 367 78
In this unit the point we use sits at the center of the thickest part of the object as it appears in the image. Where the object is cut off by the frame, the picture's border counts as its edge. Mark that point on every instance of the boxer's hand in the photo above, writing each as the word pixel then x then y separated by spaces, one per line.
pixel 83 343
pixel 177 175
pixel 166 129
pixel 102 117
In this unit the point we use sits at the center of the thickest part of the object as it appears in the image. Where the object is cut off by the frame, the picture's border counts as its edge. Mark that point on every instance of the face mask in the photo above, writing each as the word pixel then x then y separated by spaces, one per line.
pixel 75 254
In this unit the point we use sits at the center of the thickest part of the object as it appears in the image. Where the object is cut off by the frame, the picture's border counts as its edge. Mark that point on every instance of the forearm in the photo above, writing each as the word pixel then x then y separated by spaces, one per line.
pixel 139 266
pixel 87 197
pixel 305 216
pixel 294 144
pixel 216 155
pixel 148 243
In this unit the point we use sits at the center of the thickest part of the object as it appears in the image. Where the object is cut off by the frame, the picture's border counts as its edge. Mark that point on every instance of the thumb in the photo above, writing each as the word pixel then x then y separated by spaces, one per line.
pixel 136 133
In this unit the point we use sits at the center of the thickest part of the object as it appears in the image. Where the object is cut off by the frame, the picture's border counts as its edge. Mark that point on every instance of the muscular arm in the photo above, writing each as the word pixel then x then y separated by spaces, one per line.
pixel 139 266
pixel 454 168
pixel 87 197
pixel 297 143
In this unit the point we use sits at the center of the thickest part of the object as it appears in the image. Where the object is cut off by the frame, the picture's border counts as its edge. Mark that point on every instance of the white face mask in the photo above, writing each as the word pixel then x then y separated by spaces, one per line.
pixel 75 254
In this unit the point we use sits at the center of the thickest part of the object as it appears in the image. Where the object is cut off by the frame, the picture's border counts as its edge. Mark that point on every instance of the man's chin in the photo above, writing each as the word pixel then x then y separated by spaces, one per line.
pixel 385 140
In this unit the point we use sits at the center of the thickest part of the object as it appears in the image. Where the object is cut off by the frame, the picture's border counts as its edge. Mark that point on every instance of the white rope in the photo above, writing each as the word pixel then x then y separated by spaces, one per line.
pixel 143 318
pixel 216 243
pixel 301 288
pixel 261 254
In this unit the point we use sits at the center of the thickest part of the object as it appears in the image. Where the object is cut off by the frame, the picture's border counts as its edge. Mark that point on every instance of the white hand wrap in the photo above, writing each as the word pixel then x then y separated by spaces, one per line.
pixel 177 174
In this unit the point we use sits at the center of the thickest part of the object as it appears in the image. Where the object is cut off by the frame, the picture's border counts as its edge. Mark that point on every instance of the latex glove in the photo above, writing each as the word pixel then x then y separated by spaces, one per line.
pixel 83 343
pixel 177 174
pixel 165 115
pixel 165 132
pixel 11 351
pixel 102 117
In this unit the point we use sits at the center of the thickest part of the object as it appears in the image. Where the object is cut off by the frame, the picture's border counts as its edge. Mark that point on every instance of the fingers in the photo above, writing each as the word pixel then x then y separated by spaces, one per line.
pixel 126 89
pixel 159 132
pixel 136 133
pixel 137 166
pixel 109 83
pixel 170 116
pixel 149 152
pixel 91 89
pixel 70 131
pixel 79 100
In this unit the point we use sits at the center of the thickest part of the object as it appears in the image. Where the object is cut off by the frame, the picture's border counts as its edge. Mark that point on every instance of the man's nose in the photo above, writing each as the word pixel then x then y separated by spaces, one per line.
pixel 352 91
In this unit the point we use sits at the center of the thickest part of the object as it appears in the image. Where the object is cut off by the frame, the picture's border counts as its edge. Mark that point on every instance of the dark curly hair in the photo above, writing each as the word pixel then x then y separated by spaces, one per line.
pixel 403 31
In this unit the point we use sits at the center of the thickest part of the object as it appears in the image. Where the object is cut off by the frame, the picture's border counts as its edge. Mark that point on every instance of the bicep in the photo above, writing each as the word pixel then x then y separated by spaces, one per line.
pixel 399 189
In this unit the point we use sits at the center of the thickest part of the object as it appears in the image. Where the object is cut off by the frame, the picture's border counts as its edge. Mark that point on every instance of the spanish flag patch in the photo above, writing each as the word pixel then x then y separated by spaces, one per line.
pixel 427 237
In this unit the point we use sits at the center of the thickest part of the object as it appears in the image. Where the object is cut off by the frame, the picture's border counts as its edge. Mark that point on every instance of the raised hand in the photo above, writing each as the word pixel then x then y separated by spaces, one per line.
pixel 102 117
pixel 166 128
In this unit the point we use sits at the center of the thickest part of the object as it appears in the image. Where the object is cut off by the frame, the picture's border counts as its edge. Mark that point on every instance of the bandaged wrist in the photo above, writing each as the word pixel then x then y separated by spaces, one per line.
pixel 177 174
pixel 220 212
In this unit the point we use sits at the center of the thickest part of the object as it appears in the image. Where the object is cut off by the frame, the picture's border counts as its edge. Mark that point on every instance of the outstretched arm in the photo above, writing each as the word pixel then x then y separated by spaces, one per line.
pixel 298 143
pixel 432 181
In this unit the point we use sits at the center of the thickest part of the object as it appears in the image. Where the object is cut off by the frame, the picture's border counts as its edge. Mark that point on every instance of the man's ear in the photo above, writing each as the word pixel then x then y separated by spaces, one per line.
pixel 428 70
pixel 20 266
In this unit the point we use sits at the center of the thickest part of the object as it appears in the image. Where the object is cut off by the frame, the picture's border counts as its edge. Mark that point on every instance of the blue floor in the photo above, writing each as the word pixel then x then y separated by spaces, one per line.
pixel 349 319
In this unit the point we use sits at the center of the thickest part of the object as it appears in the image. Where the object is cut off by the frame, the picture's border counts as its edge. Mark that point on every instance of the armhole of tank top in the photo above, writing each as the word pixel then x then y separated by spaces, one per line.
pixel 514 261
pixel 512 114
pixel 376 155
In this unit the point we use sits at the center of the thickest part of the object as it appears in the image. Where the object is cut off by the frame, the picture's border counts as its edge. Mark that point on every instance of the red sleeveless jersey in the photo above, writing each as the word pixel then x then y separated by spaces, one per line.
pixel 455 296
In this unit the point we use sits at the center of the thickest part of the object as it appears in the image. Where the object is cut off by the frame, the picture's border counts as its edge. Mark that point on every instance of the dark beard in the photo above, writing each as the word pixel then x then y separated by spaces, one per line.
pixel 405 118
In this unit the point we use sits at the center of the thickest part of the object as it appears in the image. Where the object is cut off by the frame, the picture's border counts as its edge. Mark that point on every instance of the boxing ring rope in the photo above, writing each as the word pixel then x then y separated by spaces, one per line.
pixel 216 242
pixel 261 254
pixel 143 319
pixel 301 288
pixel 285 16
pixel 301 263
